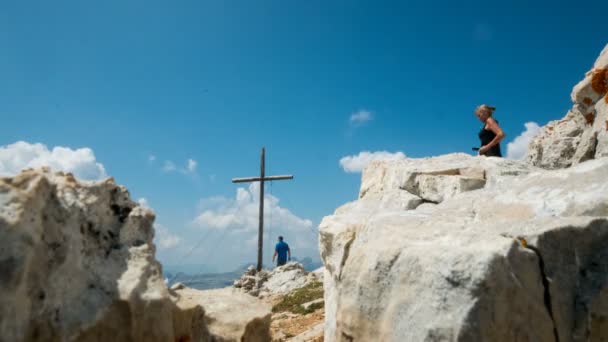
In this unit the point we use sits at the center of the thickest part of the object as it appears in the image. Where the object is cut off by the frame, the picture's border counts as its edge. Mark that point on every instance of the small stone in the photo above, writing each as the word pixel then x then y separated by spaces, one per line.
pixel 178 286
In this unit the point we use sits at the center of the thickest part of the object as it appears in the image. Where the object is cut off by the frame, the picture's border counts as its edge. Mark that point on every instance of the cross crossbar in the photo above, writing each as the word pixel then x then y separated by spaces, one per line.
pixel 257 179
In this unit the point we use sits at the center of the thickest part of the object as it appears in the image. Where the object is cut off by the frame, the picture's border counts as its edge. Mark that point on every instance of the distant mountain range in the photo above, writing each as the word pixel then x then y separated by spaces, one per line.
pixel 213 280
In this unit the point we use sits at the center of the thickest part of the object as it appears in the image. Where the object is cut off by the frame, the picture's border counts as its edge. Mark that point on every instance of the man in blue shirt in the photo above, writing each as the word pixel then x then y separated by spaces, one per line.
pixel 282 250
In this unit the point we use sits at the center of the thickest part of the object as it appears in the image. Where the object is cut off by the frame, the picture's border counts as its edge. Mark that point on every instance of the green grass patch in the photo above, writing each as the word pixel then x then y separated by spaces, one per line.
pixel 293 301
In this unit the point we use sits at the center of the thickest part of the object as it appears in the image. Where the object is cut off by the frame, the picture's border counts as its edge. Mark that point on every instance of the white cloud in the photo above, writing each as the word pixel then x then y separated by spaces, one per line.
pixel 191 165
pixel 357 163
pixel 223 234
pixel 22 155
pixel 169 166
pixel 151 158
pixel 518 148
pixel 239 217
pixel 360 117
pixel 164 239
pixel 143 202
pixel 189 168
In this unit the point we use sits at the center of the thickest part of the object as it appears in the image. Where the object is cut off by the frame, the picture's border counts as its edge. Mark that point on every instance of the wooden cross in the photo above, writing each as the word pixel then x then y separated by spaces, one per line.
pixel 261 179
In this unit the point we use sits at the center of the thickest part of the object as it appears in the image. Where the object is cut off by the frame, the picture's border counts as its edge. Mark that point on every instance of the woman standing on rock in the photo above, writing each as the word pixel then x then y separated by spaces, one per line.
pixel 490 134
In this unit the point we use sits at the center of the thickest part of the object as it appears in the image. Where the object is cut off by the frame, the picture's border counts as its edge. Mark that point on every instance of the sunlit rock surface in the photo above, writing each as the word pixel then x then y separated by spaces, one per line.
pixel 522 255
pixel 278 281
pixel 77 264
pixel 231 315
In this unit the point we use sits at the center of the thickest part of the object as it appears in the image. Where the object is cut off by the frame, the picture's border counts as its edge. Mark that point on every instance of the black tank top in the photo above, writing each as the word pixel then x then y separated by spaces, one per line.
pixel 486 136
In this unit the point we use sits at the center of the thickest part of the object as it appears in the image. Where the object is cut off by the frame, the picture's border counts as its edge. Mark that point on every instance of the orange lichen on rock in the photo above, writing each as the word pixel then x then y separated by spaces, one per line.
pixel 522 241
pixel 590 117
pixel 599 81
pixel 587 101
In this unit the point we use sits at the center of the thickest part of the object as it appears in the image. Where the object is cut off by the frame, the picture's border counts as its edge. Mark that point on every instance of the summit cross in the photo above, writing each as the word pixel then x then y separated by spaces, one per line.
pixel 262 179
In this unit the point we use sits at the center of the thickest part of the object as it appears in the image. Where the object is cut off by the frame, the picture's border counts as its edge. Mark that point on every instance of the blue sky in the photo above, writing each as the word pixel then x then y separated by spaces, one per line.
pixel 213 81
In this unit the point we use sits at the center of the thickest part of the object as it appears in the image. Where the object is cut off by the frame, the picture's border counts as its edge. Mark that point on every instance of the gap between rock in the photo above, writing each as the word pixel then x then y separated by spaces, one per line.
pixel 545 282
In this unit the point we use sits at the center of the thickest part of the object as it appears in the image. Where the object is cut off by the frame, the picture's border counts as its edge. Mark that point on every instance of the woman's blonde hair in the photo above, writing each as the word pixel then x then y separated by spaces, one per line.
pixel 486 108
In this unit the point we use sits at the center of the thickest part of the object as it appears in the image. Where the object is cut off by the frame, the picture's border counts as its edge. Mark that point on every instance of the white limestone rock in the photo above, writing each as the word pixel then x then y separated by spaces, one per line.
pixel 315 333
pixel 583 89
pixel 436 178
pixel 602 60
pixel 177 286
pixel 278 281
pixel 600 128
pixel 231 315
pixel 394 199
pixel 319 273
pixel 311 303
pixel 77 263
pixel 285 279
pixel 583 133
pixel 522 259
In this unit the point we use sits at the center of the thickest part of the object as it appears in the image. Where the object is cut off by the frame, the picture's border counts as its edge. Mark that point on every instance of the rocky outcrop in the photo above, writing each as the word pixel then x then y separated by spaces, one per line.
pixel 433 179
pixel 231 315
pixel 279 281
pixel 474 249
pixel 77 264
pixel 583 133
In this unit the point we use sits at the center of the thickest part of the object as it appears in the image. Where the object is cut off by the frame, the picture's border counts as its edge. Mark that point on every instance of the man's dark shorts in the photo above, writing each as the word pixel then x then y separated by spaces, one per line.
pixel 281 262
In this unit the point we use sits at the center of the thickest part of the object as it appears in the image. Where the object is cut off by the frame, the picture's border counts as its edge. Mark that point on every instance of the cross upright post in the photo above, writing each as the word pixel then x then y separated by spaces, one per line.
pixel 261 179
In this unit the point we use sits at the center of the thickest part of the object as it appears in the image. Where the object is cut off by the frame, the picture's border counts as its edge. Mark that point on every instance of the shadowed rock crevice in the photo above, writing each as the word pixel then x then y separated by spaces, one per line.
pixel 576 261
pixel 547 291
pixel 346 254
pixel 590 299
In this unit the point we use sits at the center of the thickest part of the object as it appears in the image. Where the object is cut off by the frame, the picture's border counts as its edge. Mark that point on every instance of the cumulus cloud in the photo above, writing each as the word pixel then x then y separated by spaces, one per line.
pixel 237 220
pixel 223 235
pixel 356 163
pixel 241 213
pixel 518 148
pixel 189 168
pixel 360 117
pixel 169 166
pixel 164 239
pixel 143 202
pixel 191 165
pixel 22 155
